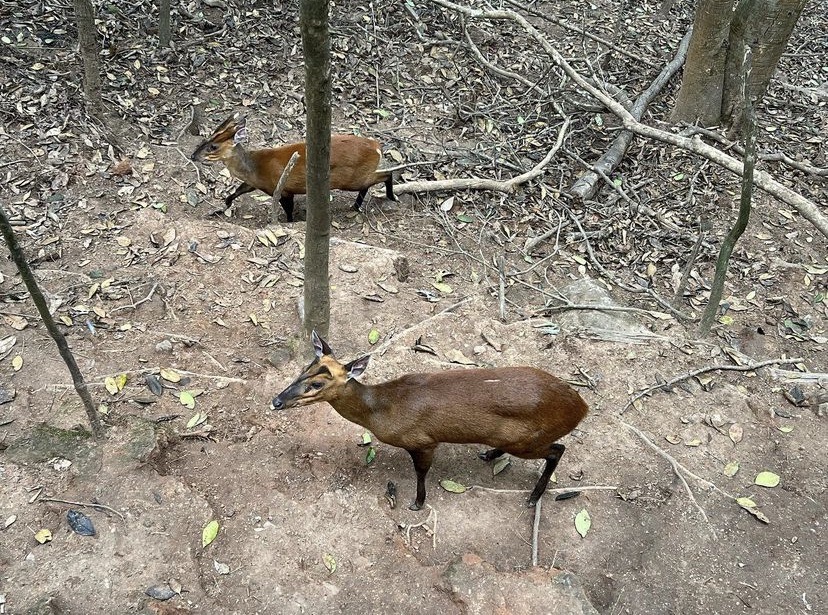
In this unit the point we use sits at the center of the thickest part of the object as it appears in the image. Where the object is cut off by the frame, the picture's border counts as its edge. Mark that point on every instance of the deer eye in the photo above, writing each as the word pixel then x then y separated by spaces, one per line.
pixel 316 385
pixel 213 147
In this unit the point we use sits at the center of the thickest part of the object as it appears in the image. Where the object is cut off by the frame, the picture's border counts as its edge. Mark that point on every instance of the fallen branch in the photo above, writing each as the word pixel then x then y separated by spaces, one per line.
pixel 807 208
pixel 587 185
pixel 476 183
pixel 690 130
pixel 703 370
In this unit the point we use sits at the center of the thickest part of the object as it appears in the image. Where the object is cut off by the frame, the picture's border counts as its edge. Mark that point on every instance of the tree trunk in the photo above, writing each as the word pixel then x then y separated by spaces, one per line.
pixel 766 26
pixel 88 43
pixel 316 44
pixel 711 91
pixel 43 308
pixel 700 96
pixel 749 160
pixel 164 23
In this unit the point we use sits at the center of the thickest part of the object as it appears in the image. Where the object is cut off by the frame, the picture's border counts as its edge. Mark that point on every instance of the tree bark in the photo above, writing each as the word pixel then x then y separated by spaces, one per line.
pixel 700 96
pixel 88 43
pixel 43 308
pixel 765 26
pixel 164 34
pixel 316 44
pixel 749 162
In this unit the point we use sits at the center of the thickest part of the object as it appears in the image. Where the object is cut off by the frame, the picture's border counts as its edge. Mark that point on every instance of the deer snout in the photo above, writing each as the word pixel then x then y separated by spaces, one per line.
pixel 278 403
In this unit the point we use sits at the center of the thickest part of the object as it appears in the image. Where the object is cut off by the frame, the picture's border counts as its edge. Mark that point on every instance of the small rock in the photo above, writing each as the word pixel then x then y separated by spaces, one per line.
pixel 164 346
pixel 278 357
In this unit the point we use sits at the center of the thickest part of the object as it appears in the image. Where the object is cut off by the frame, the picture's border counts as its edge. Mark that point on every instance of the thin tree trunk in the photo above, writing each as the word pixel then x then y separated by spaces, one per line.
pixel 88 43
pixel 316 46
pixel 164 23
pixel 765 26
pixel 43 308
pixel 749 161
pixel 700 96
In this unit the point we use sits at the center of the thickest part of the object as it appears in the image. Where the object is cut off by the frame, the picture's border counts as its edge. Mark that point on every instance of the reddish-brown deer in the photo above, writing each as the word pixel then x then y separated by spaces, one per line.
pixel 354 162
pixel 522 411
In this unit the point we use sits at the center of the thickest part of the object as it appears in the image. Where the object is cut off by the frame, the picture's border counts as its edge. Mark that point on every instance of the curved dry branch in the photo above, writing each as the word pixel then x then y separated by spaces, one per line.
pixel 477 183
pixel 763 180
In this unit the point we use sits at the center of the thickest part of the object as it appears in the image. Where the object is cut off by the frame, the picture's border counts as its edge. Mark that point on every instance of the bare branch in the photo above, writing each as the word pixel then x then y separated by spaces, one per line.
pixel 804 206
pixel 476 183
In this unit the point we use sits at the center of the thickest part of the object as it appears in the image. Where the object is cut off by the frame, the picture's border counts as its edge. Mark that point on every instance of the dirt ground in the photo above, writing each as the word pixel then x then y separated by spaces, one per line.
pixel 146 283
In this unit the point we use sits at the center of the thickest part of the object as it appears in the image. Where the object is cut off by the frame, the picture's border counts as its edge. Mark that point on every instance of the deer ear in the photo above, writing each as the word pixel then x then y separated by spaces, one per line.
pixel 320 346
pixel 355 368
pixel 240 136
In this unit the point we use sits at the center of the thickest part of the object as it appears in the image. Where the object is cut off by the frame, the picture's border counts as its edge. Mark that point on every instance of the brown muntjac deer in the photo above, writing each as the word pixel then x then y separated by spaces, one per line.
pixel 354 162
pixel 522 411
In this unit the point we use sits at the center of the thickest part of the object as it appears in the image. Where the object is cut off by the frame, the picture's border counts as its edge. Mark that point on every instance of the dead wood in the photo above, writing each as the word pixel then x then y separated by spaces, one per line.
pixel 587 185
pixel 807 208
pixel 476 183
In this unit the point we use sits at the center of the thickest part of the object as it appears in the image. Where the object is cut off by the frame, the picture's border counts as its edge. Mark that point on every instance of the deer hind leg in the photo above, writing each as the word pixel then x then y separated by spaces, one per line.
pixel 360 198
pixel 389 188
pixel 556 451
pixel 286 201
pixel 422 463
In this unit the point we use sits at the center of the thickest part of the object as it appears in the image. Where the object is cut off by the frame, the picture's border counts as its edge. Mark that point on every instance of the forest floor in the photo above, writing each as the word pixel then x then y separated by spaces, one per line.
pixel 151 290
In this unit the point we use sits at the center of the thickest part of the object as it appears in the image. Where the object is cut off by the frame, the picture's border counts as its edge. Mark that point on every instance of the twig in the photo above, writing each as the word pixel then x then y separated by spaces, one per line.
pixel 585 33
pixel 149 370
pixel 800 166
pixel 599 307
pixel 424 524
pixel 137 303
pixel 89 504
pixel 501 287
pixel 678 468
pixel 532 243
pixel 769 157
pixel 535 529
pixel 11 162
pixel 500 71
pixel 710 368
pixel 666 305
pixel 277 193
pixel 688 266
pixel 633 289
pixel 204 434
pixel 384 346
pixel 556 490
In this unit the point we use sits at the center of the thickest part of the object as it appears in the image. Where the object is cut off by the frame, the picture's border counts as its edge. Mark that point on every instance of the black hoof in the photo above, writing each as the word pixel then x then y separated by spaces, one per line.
pixel 491 454
pixel 415 506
